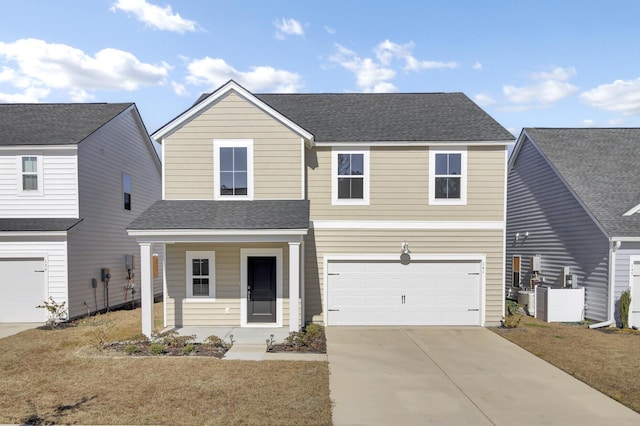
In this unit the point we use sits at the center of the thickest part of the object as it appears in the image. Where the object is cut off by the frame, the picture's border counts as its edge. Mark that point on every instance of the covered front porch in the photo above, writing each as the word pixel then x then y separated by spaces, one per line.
pixel 228 265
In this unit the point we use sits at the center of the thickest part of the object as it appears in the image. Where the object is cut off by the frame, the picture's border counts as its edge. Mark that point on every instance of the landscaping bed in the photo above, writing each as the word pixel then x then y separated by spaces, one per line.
pixel 311 339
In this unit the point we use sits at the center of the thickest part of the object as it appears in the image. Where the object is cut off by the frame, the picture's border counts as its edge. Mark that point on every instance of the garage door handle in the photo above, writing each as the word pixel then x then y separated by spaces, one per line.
pixel 476 310
pixel 37 270
pixel 333 310
pixel 474 273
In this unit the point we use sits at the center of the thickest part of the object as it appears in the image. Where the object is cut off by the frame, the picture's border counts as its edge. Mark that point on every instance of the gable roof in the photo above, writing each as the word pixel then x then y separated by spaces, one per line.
pixel 392 117
pixel 54 124
pixel 600 167
pixel 366 117
pixel 224 215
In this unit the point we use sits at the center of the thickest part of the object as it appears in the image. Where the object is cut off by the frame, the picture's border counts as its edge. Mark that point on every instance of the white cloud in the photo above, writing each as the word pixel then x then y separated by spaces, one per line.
pixel 370 76
pixel 160 18
pixel 179 89
pixel 288 27
pixel 41 67
pixel 617 122
pixel 551 87
pixel 620 96
pixel 484 99
pixel 329 30
pixel 477 66
pixel 388 50
pixel 588 123
pixel 214 72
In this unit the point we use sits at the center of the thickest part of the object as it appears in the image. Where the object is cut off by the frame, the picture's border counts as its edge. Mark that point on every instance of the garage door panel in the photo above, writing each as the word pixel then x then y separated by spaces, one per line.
pixel 22 288
pixel 389 293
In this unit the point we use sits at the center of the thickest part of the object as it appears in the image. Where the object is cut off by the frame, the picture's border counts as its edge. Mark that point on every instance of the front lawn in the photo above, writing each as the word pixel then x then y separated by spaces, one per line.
pixel 605 359
pixel 47 377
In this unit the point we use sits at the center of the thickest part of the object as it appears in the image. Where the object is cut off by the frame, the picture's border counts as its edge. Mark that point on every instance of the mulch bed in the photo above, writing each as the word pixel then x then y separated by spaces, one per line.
pixel 144 349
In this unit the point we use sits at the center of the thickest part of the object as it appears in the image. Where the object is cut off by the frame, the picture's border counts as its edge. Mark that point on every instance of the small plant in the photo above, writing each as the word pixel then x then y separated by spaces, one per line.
pixel 57 311
pixel 156 348
pixel 190 347
pixel 101 332
pixel 513 317
pixel 173 339
pixel 220 345
pixel 131 349
pixel 625 302
pixel 138 339
pixel 312 337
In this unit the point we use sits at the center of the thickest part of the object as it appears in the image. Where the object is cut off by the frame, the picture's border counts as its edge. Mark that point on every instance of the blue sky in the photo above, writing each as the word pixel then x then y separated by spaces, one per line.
pixel 527 63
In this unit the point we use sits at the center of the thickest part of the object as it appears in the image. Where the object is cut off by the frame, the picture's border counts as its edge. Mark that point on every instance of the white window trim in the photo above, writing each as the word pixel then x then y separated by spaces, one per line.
pixel 31 193
pixel 211 255
pixel 232 143
pixel 462 201
pixel 334 177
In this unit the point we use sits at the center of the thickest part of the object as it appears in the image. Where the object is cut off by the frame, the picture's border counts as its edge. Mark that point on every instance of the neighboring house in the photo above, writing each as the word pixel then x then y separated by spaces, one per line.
pixel 573 198
pixel 72 177
pixel 344 209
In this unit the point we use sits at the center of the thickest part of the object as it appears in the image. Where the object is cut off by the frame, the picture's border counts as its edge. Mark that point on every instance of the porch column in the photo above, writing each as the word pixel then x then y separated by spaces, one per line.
pixel 294 286
pixel 146 288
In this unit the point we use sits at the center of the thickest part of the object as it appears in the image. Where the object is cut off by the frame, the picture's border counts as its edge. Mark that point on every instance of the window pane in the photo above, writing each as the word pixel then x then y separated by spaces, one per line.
pixel 29 183
pixel 29 164
pixel 357 188
pixel 344 164
pixel 127 201
pixel 357 164
pixel 226 159
pixel 226 183
pixel 200 287
pixel 344 188
pixel 240 183
pixel 447 188
pixel 126 183
pixel 240 159
pixel 195 268
pixel 441 164
pixel 455 167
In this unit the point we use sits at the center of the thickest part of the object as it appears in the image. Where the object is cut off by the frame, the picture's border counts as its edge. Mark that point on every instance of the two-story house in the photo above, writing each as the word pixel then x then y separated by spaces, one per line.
pixel 344 209
pixel 72 177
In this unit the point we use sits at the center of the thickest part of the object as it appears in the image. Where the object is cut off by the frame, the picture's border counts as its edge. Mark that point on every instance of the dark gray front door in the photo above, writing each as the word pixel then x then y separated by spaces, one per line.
pixel 261 289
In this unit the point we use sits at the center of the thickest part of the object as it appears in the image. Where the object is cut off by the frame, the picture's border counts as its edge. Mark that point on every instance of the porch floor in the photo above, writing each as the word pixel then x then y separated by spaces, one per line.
pixel 241 335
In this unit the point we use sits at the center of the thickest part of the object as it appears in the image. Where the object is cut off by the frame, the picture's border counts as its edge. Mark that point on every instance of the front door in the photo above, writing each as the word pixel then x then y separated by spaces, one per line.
pixel 261 289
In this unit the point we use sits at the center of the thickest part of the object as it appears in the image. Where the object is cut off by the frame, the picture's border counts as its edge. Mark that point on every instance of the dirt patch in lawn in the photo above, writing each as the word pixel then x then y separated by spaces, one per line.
pixel 44 381
pixel 606 359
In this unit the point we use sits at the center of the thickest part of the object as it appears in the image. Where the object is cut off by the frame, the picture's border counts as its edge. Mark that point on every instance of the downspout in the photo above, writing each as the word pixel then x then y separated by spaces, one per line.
pixel 612 274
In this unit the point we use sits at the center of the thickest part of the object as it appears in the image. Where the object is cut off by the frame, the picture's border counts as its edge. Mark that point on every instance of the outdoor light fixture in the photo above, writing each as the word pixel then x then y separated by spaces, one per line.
pixel 524 236
pixel 405 257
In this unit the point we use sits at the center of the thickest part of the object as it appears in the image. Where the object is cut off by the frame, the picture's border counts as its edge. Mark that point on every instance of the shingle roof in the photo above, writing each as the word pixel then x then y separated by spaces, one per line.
pixel 53 124
pixel 235 215
pixel 601 166
pixel 364 117
pixel 37 225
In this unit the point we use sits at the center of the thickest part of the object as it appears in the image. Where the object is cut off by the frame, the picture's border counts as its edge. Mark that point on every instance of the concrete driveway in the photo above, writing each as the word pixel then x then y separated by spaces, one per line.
pixel 9 329
pixel 458 376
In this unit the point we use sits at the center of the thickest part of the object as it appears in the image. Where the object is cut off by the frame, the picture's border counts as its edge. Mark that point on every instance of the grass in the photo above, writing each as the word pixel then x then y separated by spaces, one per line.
pixel 607 360
pixel 46 380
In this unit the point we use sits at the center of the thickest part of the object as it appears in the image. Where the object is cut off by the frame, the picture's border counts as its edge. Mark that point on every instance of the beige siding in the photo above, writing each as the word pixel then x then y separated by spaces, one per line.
pixel 183 312
pixel 320 243
pixel 277 152
pixel 399 181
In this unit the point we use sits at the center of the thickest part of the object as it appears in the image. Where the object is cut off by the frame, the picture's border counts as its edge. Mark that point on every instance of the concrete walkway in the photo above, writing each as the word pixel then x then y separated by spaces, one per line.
pixel 454 376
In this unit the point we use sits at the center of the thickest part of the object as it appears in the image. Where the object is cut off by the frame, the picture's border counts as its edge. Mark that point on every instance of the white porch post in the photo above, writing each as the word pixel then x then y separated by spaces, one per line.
pixel 146 288
pixel 294 286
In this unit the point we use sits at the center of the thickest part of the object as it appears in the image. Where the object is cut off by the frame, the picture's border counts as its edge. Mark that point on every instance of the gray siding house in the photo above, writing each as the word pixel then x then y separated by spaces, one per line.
pixel 72 176
pixel 573 197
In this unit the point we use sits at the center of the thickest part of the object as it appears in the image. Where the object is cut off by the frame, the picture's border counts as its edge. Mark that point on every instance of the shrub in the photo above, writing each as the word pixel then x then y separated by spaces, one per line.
pixel 156 348
pixel 190 347
pixel 131 349
pixel 625 302
pixel 513 317
pixel 101 332
pixel 57 311
pixel 216 342
pixel 173 339
pixel 138 339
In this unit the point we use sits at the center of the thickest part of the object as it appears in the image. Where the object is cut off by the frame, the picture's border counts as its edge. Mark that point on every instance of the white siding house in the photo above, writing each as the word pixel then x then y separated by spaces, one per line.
pixel 62 212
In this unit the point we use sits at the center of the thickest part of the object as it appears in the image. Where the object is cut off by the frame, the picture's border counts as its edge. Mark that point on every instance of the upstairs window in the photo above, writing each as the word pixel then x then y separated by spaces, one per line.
pixel 350 177
pixel 233 169
pixel 30 175
pixel 126 189
pixel 447 177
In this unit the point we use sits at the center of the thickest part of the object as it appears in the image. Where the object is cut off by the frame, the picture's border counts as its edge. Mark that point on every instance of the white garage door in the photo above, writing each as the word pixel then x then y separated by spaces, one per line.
pixel 22 288
pixel 389 293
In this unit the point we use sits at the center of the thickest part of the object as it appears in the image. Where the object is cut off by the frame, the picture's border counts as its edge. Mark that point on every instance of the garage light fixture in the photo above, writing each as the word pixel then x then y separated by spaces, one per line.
pixel 405 257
